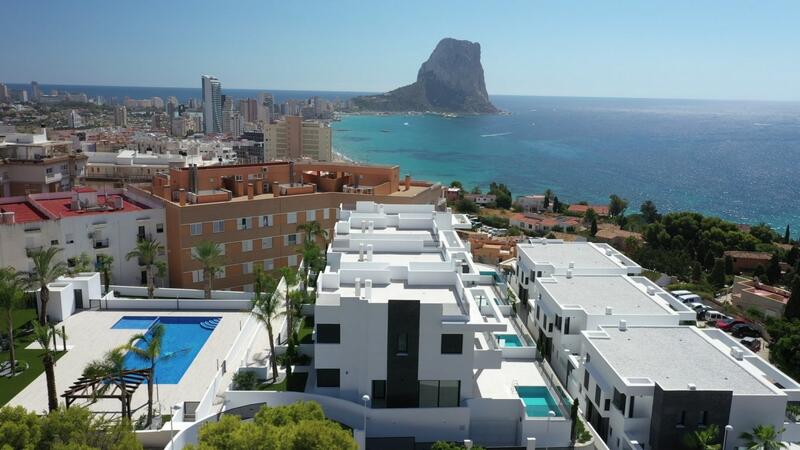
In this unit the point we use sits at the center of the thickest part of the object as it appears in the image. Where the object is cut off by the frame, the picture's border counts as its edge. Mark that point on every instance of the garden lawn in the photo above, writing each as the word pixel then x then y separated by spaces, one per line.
pixel 9 387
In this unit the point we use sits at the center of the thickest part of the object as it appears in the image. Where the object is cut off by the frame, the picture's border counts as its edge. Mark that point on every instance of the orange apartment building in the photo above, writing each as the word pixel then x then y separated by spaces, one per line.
pixel 254 210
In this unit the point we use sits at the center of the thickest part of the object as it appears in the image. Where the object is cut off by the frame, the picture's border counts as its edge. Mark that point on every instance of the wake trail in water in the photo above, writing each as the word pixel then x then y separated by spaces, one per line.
pixel 495 135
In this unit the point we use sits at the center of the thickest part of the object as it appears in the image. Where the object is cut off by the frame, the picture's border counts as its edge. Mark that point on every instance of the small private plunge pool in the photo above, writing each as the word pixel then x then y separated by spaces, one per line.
pixel 183 339
pixel 538 401
pixel 509 340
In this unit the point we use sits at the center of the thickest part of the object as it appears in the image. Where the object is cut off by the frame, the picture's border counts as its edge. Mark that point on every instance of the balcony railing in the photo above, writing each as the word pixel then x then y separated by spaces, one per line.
pixel 101 243
pixel 52 178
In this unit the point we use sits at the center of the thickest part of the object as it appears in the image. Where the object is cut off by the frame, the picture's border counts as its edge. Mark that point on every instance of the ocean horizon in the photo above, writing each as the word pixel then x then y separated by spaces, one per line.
pixel 736 159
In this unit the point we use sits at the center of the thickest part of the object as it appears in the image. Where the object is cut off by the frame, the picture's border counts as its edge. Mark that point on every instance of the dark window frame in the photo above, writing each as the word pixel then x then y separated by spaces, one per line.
pixel 323 375
pixel 452 344
pixel 327 335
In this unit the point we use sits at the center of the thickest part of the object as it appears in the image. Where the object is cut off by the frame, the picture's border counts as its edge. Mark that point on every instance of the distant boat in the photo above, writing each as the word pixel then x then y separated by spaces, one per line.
pixel 405 123
pixel 386 131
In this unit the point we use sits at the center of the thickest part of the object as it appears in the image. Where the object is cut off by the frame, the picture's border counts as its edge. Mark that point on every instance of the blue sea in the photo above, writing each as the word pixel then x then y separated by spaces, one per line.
pixel 737 160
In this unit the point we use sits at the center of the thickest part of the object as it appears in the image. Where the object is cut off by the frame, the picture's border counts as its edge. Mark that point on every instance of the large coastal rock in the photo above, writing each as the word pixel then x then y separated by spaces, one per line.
pixel 451 80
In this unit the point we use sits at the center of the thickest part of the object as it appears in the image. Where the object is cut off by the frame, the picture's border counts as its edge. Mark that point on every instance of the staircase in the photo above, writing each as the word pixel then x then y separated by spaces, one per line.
pixel 210 324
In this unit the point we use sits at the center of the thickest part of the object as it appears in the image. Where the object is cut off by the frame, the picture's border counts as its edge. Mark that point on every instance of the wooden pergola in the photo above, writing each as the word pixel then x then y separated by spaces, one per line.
pixel 120 386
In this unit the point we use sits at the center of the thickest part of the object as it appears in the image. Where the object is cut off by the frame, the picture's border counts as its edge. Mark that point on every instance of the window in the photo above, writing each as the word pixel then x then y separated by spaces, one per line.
pixel 159 228
pixel 268 264
pixel 221 248
pixel 703 418
pixel 244 223
pixel 196 229
pixel 247 245
pixel 143 277
pixel 292 260
pixel 452 344
pixel 607 405
pixel 54 242
pixel 291 239
pixel 197 276
pixel 69 239
pixel 439 394
pixel 428 394
pixel 326 213
pixel 597 394
pixel 266 243
pixel 558 322
pixel 566 325
pixel 219 226
pixel 247 267
pixel 221 273
pixel 588 358
pixel 327 377
pixel 402 344
pixel 266 221
pixel 291 217
pixel 682 419
pixel 619 400
pixel 311 215
pixel 378 393
pixel 539 273
pixel 328 333
pixel 630 407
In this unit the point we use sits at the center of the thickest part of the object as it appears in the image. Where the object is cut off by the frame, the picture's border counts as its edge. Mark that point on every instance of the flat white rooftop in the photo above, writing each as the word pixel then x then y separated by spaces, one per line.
pixel 355 231
pixel 561 254
pixel 396 259
pixel 595 293
pixel 501 383
pixel 675 357
pixel 382 293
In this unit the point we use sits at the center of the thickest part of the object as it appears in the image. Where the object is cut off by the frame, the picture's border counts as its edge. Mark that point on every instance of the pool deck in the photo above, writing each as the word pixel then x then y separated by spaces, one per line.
pixel 499 383
pixel 89 336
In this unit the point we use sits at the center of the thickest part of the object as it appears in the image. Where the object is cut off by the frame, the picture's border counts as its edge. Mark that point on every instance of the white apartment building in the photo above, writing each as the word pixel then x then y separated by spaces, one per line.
pixel 565 305
pixel 212 104
pixel 131 166
pixel 109 222
pixel 647 387
pixel 405 317
pixel 547 257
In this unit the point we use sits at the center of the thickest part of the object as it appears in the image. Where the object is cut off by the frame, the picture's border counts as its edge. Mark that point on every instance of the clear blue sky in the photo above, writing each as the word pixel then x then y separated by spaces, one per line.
pixel 630 48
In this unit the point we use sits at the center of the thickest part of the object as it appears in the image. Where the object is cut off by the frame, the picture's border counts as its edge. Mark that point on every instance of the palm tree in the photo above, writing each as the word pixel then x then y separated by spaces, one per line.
pixel 110 368
pixel 44 335
pixel 311 258
pixel 702 438
pixel 291 276
pixel 45 271
pixel 12 296
pixel 266 308
pixel 147 251
pixel 209 255
pixel 763 437
pixel 104 263
pixel 312 231
pixel 150 351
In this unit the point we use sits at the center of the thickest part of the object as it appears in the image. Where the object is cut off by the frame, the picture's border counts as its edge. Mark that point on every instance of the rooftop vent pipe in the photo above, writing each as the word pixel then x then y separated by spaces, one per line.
pixel 358 287
pixel 609 310
pixel 623 325
pixel 368 289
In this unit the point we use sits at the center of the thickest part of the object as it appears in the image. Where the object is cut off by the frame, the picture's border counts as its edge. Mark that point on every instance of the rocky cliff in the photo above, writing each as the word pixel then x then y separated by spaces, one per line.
pixel 451 80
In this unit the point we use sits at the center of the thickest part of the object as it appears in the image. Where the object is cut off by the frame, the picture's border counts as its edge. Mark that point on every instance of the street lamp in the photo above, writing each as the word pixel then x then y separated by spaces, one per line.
pixel 365 399
pixel 175 409
pixel 728 429
pixel 550 415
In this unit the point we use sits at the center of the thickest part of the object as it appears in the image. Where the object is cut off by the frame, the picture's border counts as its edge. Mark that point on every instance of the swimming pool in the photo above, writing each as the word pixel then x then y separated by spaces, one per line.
pixel 538 401
pixel 182 341
pixel 511 340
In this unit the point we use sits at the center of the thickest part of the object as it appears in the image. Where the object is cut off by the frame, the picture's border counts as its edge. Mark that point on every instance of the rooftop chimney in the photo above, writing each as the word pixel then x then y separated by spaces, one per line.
pixel 571 265
pixel 182 196
pixel 623 325
pixel 259 187
pixel 368 289
pixel 358 287
pixel 361 251
pixel 737 353
pixel 407 182
pixel 249 191
pixel 569 273
pixel 369 252
pixel 371 226
pixel 609 310
pixel 609 252
pixel 691 386
pixel 363 226
pixel 276 189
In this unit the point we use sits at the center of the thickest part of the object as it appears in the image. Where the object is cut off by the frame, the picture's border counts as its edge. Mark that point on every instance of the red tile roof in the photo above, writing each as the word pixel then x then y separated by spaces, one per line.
pixel 601 210
pixel 59 207
pixel 24 212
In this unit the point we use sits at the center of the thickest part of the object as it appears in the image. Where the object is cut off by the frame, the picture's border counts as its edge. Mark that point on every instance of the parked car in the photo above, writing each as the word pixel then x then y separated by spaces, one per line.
pixel 727 324
pixel 745 330
pixel 690 298
pixel 695 306
pixel 678 293
pixel 752 343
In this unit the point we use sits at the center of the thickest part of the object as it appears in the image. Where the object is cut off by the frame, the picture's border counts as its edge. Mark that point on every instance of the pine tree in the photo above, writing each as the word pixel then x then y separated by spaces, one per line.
pixel 787 237
pixel 717 277
pixel 792 310
pixel 593 228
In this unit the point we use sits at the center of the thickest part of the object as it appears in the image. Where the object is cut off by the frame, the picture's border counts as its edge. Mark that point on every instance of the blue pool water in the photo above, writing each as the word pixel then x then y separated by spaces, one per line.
pixel 538 401
pixel 182 341
pixel 134 322
pixel 511 340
